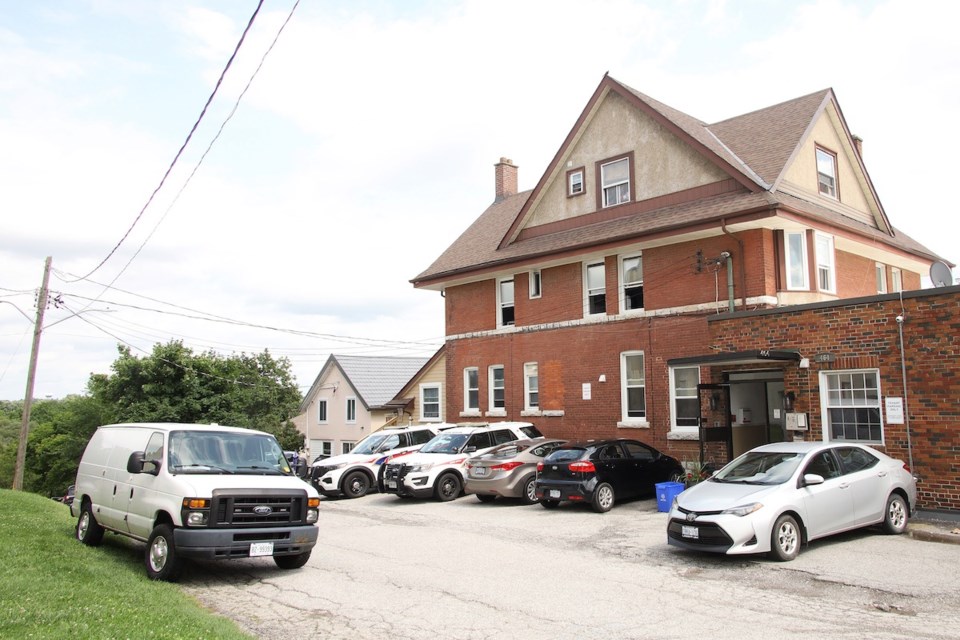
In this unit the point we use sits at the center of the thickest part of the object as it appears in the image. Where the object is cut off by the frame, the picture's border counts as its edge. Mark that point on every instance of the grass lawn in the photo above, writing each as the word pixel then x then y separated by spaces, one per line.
pixel 55 587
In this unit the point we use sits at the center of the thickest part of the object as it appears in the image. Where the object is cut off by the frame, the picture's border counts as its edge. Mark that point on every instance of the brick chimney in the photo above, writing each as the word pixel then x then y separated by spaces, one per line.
pixel 858 145
pixel 506 178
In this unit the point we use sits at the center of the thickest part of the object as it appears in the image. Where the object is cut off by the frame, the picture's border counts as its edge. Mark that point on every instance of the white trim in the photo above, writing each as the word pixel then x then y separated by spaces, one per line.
pixel 439 402
pixel 804 265
pixel 467 388
pixel 346 409
pixel 621 283
pixel 583 178
pixel 614 185
pixel 501 305
pixel 527 390
pixel 825 404
pixel 586 287
pixel 827 262
pixel 326 411
pixel 896 277
pixel 625 419
pixel 491 408
pixel 535 283
pixel 674 427
pixel 881 273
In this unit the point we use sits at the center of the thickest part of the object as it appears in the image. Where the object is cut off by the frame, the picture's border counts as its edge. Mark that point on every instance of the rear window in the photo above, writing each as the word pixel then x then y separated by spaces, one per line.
pixel 531 432
pixel 421 437
pixel 565 455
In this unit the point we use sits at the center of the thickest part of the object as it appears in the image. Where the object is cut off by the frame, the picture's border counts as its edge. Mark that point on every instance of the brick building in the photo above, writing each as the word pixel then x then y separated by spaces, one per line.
pixel 588 305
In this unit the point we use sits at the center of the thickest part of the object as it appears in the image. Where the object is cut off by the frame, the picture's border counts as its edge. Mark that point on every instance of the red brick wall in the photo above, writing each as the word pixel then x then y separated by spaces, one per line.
pixel 864 334
pixel 471 307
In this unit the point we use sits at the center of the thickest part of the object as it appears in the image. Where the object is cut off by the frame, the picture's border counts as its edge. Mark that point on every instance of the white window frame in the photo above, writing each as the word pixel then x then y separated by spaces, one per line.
pixel 501 304
pixel 587 291
pixel 614 192
pixel 881 277
pixel 531 386
pixel 492 389
pixel 346 446
pixel 350 410
pixel 323 411
pixel 574 179
pixel 467 389
pixel 896 277
pixel 625 387
pixel 438 402
pixel 623 284
pixel 826 263
pixel 824 158
pixel 326 448
pixel 536 284
pixel 675 395
pixel 791 256
pixel 850 397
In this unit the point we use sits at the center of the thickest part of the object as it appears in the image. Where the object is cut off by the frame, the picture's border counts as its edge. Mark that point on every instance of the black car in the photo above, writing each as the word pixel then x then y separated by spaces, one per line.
pixel 602 471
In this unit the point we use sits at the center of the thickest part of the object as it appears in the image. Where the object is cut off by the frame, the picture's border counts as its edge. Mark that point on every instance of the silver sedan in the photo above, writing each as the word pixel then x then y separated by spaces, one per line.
pixel 508 471
pixel 774 498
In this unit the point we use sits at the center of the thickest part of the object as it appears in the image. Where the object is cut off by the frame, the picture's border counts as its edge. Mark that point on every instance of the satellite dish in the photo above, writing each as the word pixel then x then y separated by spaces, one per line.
pixel 940 274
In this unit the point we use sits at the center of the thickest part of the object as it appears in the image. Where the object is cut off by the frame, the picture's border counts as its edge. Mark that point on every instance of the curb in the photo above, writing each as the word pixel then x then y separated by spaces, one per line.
pixel 928 535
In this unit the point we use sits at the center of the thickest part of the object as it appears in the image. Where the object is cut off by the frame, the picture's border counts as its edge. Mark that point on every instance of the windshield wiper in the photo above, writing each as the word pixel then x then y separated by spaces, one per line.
pixel 197 465
pixel 258 467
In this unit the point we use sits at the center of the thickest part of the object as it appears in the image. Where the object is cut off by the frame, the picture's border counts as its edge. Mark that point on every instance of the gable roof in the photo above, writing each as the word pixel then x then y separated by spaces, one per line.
pixel 376 379
pixel 754 149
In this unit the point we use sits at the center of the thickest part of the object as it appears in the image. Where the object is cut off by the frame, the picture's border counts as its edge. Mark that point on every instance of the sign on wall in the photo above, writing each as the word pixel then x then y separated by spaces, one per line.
pixel 894 410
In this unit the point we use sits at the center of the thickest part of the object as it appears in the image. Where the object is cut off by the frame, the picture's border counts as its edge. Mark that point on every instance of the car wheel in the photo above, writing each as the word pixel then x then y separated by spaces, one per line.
pixel 448 487
pixel 163 561
pixel 292 562
pixel 486 497
pixel 355 485
pixel 785 539
pixel 89 531
pixel 529 493
pixel 549 504
pixel 602 498
pixel 895 515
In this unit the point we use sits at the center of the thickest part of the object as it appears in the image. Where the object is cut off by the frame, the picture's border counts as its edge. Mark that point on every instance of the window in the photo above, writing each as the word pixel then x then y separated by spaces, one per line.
pixel 534 284
pixel 633 391
pixel 478 441
pixel 881 278
pixel 826 274
pixel 502 436
pixel 596 278
pixel 631 283
pixel 429 402
pixel 471 388
pixel 615 182
pixel 321 411
pixel 531 386
pixel 421 437
pixel 346 447
pixel 851 402
pixel 638 451
pixel 896 279
pixel 351 410
pixel 827 173
pixel 323 448
pixel 795 251
pixel 496 385
pixel 505 301
pixel 684 397
pixel 575 182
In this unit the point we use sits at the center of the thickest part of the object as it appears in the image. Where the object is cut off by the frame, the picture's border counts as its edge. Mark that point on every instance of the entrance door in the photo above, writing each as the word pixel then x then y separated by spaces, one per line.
pixel 716 428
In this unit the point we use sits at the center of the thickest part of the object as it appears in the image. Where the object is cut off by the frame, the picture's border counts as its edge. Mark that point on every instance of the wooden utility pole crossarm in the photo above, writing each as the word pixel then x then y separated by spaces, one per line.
pixel 31 374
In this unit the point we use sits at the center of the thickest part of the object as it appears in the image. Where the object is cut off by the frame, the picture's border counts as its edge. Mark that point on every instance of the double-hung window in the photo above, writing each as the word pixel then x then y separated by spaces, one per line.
pixel 826 272
pixel 505 302
pixel 351 410
pixel 595 276
pixel 851 404
pixel 615 182
pixel 633 386
pixel 827 173
pixel 535 284
pixel 795 254
pixel 429 402
pixel 321 411
pixel 471 389
pixel 531 386
pixel 495 383
pixel 896 278
pixel 881 278
pixel 346 447
pixel 631 283
pixel 684 397
pixel 575 185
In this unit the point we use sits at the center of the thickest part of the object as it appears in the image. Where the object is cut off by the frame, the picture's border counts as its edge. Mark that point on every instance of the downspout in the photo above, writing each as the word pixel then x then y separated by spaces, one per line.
pixel 726 256
pixel 743 265
pixel 906 406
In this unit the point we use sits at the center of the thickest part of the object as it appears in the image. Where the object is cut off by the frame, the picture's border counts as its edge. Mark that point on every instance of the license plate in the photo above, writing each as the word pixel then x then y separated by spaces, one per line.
pixel 479 472
pixel 391 484
pixel 261 549
pixel 554 493
pixel 690 532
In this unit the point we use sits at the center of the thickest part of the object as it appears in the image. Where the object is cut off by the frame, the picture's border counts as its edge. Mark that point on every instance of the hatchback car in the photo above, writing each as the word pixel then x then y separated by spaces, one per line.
pixel 774 498
pixel 508 471
pixel 601 472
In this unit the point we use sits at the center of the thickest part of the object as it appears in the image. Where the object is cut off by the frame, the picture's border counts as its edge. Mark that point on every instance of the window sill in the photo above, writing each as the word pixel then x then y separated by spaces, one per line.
pixel 531 413
pixel 472 413
pixel 496 413
pixel 553 413
pixel 422 419
pixel 678 434
pixel 633 424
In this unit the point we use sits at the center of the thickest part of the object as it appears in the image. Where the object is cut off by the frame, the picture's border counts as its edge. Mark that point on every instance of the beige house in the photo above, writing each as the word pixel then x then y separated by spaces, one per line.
pixel 354 396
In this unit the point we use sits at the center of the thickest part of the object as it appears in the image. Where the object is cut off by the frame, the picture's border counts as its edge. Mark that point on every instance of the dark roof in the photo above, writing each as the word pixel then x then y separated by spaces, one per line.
pixel 376 379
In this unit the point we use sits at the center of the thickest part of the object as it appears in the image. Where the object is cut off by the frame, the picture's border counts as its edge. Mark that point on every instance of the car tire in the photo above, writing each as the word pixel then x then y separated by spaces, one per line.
pixel 486 497
pixel 603 498
pixel 89 531
pixel 161 557
pixel 785 539
pixel 448 487
pixel 292 562
pixel 355 485
pixel 549 504
pixel 896 514
pixel 528 494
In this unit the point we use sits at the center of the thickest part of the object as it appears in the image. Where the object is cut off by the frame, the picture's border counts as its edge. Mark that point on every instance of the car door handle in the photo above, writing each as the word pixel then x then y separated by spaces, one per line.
pixel 881 474
pixel 845 485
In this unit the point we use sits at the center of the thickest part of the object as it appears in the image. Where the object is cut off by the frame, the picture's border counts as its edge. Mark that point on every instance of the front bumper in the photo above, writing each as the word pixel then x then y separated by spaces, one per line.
pixel 399 480
pixel 223 544
pixel 717 533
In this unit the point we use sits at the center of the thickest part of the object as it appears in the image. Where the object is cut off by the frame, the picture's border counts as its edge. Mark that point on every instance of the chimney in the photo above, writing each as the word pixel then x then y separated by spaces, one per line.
pixel 506 178
pixel 858 145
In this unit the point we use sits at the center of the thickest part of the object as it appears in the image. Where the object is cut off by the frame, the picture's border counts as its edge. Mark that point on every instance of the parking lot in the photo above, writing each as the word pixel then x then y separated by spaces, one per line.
pixel 386 567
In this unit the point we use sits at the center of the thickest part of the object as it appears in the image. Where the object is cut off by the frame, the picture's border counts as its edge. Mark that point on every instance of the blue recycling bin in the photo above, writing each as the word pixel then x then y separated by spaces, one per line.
pixel 666 492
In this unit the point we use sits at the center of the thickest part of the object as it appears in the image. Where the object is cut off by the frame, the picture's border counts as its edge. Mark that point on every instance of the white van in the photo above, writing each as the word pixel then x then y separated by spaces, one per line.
pixel 194 492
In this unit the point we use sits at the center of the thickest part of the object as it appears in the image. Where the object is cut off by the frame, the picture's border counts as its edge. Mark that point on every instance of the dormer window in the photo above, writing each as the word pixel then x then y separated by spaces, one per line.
pixel 575 186
pixel 615 182
pixel 827 173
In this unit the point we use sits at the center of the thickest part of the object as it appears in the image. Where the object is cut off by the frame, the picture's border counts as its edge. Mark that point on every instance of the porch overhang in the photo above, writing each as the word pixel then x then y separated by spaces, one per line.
pixel 755 356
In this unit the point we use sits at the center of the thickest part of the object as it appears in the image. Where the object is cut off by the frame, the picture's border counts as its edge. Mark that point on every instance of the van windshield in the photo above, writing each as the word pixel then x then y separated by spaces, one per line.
pixel 225 452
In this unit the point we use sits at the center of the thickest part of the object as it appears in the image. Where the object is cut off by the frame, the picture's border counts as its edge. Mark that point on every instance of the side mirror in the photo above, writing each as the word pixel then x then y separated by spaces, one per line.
pixel 469 449
pixel 811 479
pixel 135 462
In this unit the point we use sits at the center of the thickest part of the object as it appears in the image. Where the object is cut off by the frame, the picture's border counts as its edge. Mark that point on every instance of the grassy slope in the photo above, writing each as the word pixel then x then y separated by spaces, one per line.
pixel 55 587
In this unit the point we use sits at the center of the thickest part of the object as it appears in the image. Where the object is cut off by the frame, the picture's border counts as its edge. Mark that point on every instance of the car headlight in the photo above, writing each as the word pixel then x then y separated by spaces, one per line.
pixel 421 467
pixel 744 509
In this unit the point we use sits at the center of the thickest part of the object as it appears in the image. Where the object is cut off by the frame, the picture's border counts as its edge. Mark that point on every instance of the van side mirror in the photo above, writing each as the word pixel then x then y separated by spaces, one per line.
pixel 136 464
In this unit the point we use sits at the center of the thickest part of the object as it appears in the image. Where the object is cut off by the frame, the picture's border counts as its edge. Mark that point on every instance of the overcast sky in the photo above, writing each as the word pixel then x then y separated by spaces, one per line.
pixel 365 144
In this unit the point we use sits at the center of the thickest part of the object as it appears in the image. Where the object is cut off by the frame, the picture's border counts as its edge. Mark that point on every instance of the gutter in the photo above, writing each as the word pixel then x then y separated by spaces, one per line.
pixel 743 266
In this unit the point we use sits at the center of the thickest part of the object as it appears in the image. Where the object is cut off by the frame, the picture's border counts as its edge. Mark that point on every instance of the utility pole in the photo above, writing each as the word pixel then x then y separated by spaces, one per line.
pixel 31 374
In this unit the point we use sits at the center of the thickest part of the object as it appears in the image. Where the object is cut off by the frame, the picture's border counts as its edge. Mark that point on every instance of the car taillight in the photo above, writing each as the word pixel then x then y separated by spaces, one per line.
pixel 584 466
pixel 539 467
pixel 906 467
pixel 506 466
